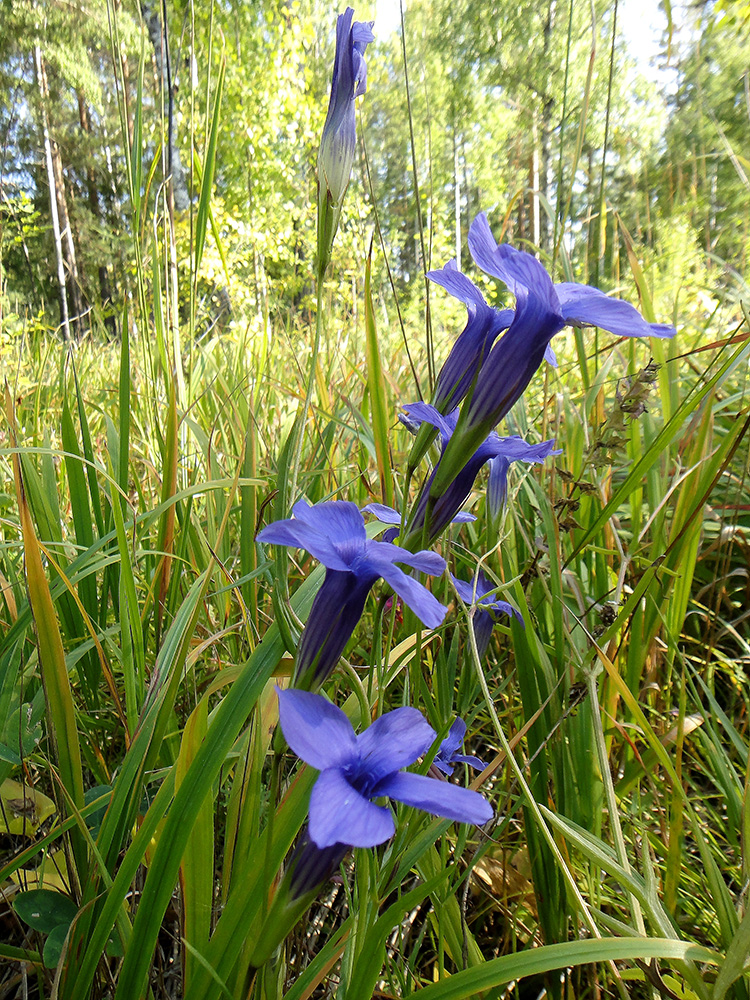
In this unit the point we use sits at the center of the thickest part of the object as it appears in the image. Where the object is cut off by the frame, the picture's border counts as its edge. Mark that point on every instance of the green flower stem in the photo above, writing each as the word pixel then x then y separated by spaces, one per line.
pixel 328 222
pixel 359 690
pixel 302 414
pixel 379 654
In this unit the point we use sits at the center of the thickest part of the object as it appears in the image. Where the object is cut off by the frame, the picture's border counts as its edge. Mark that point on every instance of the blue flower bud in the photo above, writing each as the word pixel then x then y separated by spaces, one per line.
pixel 337 144
pixel 349 81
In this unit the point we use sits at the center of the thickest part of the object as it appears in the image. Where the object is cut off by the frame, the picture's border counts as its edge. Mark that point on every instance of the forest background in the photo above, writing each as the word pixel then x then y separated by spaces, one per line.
pixel 496 102
pixel 157 308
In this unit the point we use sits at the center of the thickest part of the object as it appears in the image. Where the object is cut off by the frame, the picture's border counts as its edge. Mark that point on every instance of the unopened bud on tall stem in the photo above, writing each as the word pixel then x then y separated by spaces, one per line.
pixel 337 144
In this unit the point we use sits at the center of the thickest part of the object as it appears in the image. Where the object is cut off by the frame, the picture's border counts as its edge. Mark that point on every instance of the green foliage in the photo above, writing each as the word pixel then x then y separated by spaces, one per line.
pixel 142 629
pixel 707 171
pixel 51 913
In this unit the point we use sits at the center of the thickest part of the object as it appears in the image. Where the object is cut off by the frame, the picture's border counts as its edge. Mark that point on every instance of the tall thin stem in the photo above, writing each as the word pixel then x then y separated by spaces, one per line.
pixel 420 223
pixel 302 414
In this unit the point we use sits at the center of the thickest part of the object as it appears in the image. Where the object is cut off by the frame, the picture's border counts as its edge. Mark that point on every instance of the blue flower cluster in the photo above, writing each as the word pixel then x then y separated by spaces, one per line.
pixel 487 370
pixel 498 452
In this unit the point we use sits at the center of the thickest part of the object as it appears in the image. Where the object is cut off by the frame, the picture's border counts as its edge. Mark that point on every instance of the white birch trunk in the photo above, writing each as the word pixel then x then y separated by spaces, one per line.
pixel 52 196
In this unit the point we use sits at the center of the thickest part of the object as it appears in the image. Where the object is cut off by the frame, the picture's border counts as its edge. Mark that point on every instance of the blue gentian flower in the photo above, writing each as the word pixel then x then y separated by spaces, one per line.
pixel 337 144
pixel 514 449
pixel 334 533
pixel 579 305
pixel 354 770
pixel 495 449
pixel 447 756
pixel 542 310
pixel 487 608
pixel 483 326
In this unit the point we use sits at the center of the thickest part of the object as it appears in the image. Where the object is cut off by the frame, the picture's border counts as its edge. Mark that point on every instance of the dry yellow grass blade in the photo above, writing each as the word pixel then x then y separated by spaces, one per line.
pixel 58 696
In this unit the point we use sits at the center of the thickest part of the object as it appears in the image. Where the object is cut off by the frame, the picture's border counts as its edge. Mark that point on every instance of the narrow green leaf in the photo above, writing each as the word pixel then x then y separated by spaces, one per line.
pixel 654 452
pixel 88 454
pixel 369 961
pixel 734 965
pixel 457 934
pixel 226 724
pixel 165 538
pixel 321 964
pixel 136 149
pixel 197 867
pixel 131 628
pixel 209 166
pixel 79 504
pixel 470 983
pixel 57 691
pixel 379 402
pixel 123 462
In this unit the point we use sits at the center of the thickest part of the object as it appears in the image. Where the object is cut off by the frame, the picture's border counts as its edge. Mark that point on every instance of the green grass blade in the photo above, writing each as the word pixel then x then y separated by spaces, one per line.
pixel 209 167
pixel 131 628
pixel 379 402
pixel 457 934
pixel 197 867
pixel 369 961
pixel 88 454
pixel 165 537
pixel 735 962
pixel 81 511
pixel 57 690
pixel 230 717
pixel 497 972
pixel 123 458
pixel 658 446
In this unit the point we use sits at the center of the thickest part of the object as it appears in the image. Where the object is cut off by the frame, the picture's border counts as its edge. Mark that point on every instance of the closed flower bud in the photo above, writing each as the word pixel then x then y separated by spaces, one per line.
pixel 337 144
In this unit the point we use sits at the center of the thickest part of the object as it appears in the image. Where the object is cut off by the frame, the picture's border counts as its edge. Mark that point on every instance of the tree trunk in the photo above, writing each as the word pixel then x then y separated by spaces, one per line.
pixel 69 247
pixel 73 279
pixel 51 181
pixel 534 182
pixel 158 35
pixel 545 152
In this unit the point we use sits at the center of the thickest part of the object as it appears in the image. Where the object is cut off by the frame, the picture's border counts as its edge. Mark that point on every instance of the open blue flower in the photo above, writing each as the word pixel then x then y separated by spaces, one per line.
pixel 542 310
pixel 487 608
pixel 337 144
pixel 579 305
pixel 483 327
pixel 500 452
pixel 447 756
pixel 354 770
pixel 334 533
